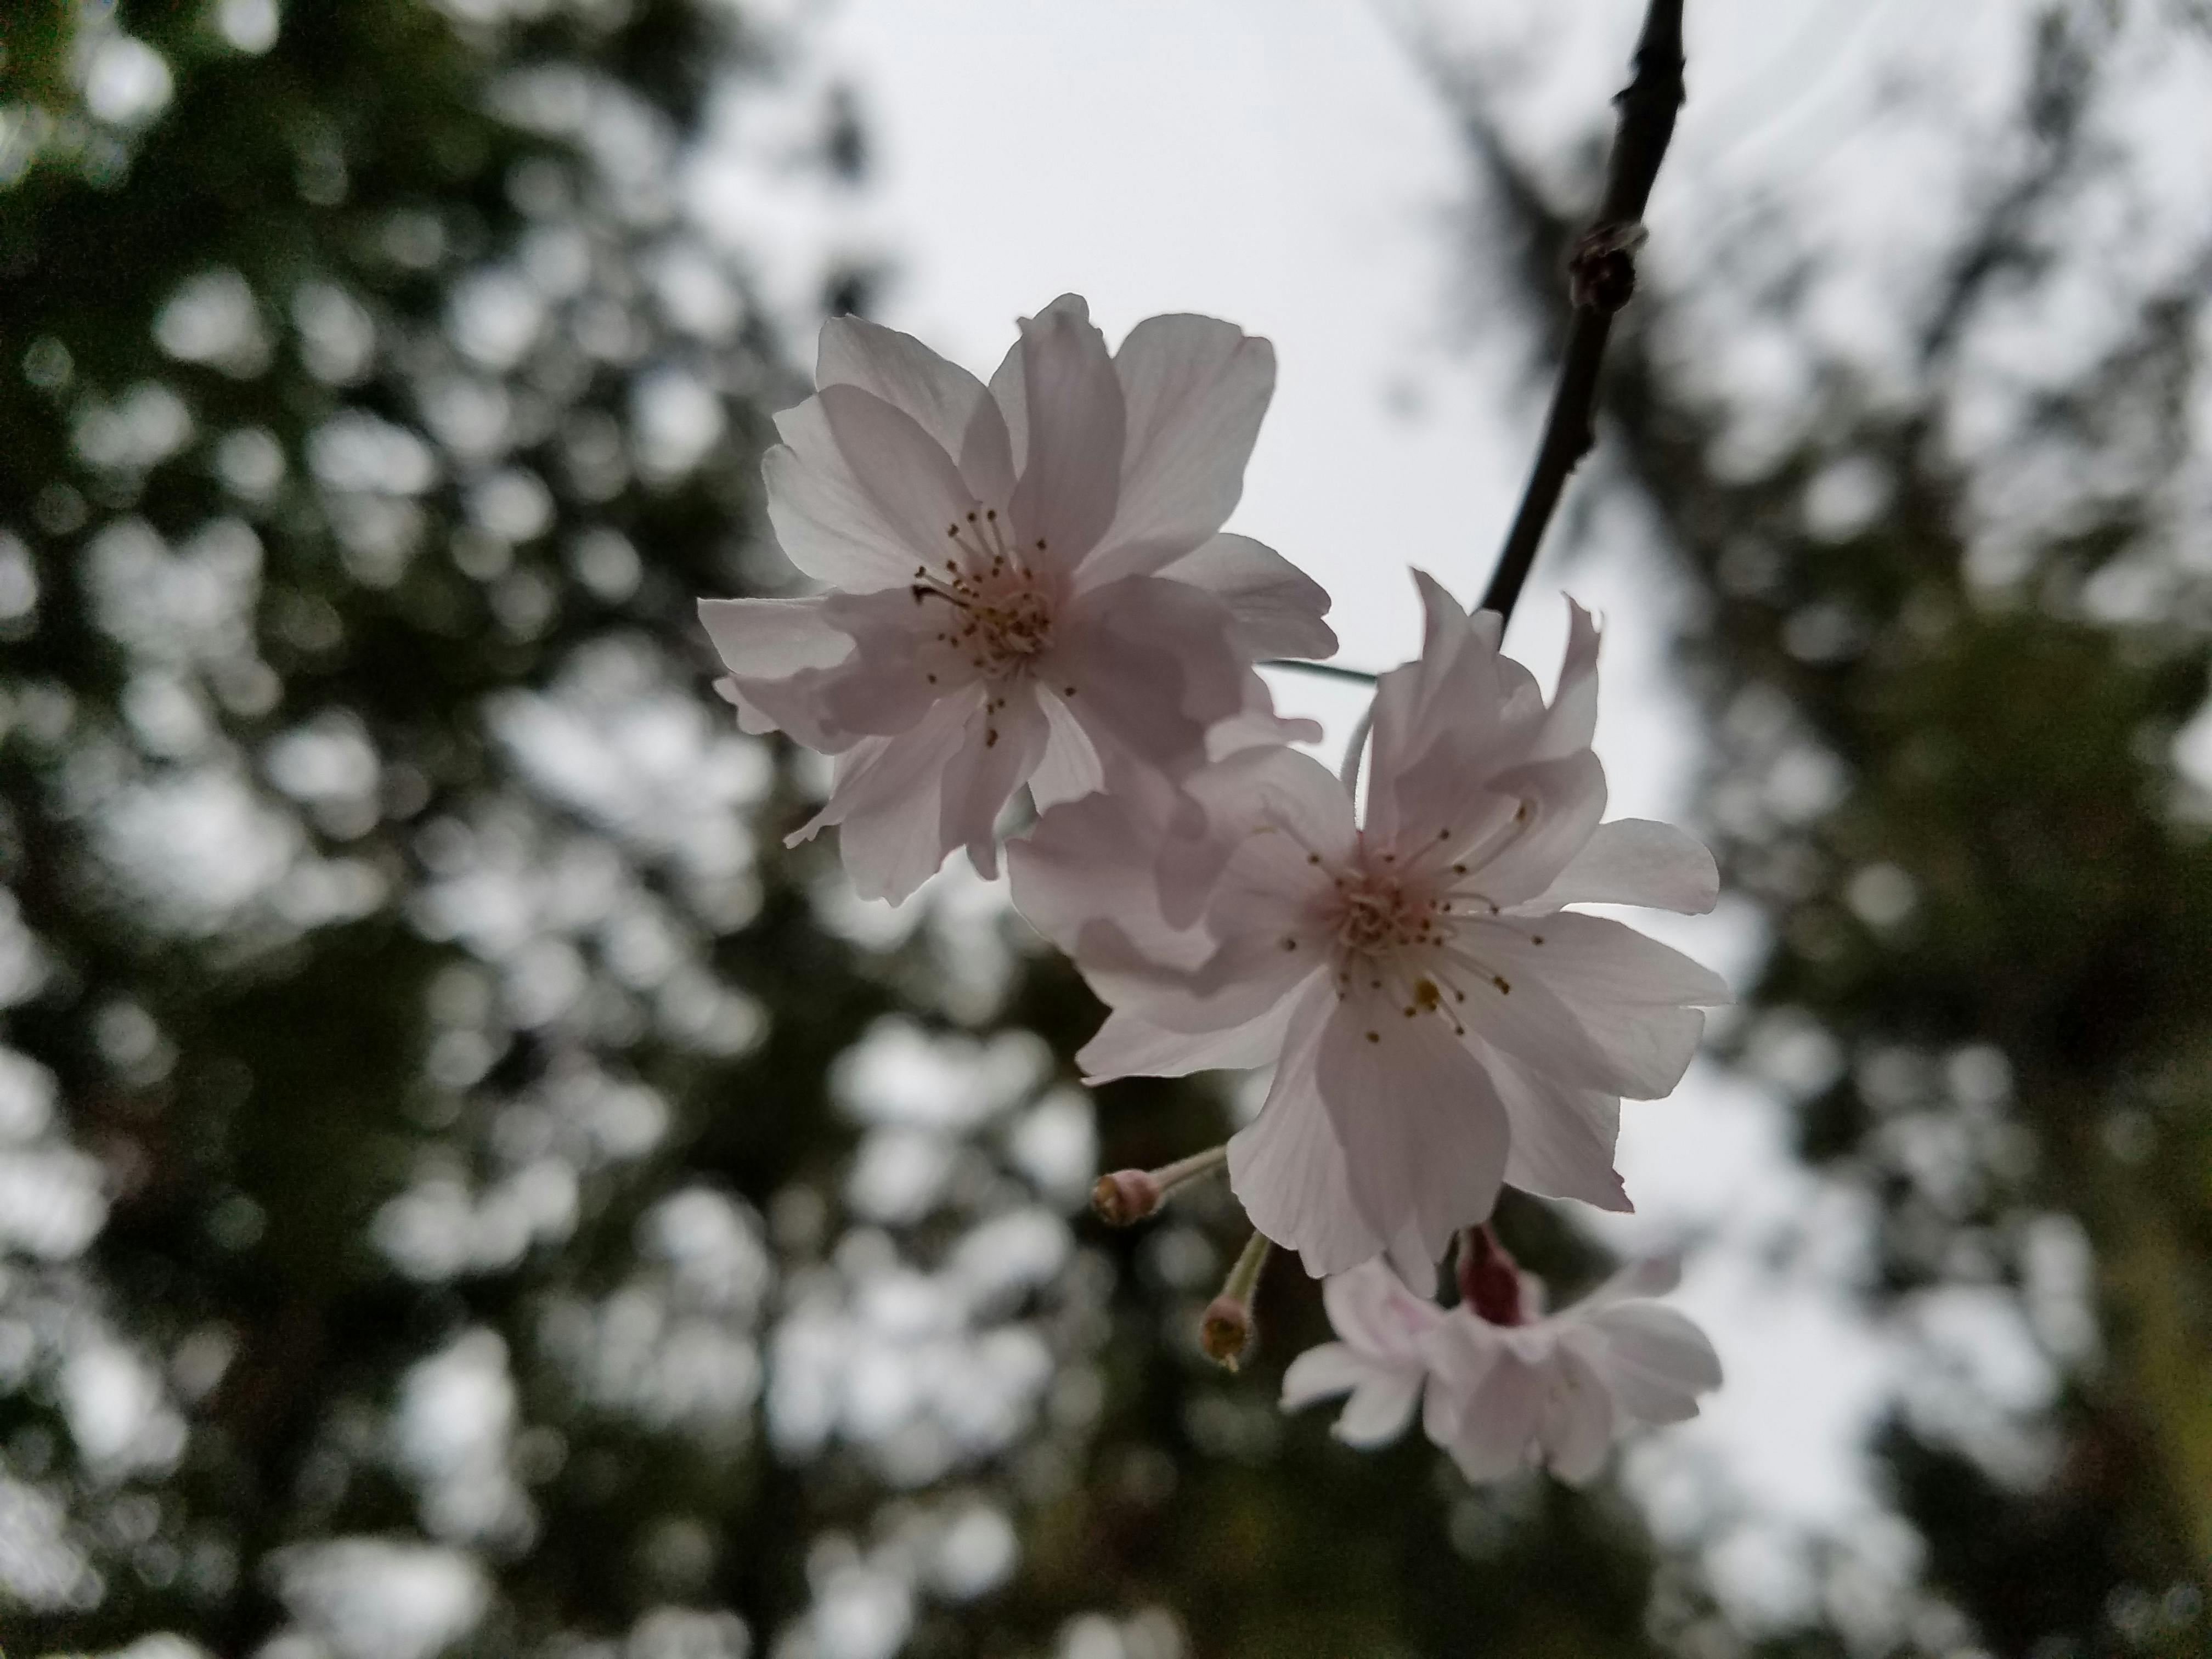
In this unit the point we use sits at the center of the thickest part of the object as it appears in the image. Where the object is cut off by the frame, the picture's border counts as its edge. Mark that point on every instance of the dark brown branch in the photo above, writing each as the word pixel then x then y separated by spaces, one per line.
pixel 1601 275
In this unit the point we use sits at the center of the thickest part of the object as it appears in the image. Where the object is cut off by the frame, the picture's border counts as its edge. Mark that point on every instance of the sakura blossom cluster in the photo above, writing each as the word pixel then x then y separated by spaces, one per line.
pixel 1026 591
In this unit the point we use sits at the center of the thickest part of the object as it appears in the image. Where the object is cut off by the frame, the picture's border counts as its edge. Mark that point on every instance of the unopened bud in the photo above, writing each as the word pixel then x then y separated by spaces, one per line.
pixel 1130 1195
pixel 1224 1331
pixel 1124 1197
pixel 1226 1327
pixel 1601 271
pixel 1489 1279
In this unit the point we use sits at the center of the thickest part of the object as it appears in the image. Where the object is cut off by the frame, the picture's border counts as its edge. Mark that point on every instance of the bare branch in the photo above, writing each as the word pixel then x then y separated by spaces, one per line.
pixel 1601 275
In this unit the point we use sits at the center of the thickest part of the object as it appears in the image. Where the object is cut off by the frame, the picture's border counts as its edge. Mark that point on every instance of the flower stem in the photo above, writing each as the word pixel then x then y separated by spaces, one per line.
pixel 1326 670
pixel 1186 1169
pixel 1244 1278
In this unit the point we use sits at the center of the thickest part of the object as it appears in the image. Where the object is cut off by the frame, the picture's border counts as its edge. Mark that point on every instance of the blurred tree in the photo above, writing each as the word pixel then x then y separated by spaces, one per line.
pixel 1949 609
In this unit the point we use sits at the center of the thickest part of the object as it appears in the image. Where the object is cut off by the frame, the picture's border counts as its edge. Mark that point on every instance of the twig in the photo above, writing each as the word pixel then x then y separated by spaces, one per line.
pixel 1602 275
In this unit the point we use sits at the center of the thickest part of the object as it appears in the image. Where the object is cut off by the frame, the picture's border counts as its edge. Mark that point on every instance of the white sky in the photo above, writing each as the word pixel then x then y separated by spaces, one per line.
pixel 1285 164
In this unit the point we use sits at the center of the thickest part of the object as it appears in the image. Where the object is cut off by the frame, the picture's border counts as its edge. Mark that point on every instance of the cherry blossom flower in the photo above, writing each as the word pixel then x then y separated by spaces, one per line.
pixel 1559 1390
pixel 1378 1359
pixel 1439 1023
pixel 1028 583
pixel 1500 1395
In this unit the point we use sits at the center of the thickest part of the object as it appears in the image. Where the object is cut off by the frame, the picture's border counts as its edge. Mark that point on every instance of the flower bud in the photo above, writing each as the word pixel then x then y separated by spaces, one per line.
pixel 1125 1197
pixel 1224 1331
pixel 1130 1195
pixel 1226 1328
pixel 1489 1279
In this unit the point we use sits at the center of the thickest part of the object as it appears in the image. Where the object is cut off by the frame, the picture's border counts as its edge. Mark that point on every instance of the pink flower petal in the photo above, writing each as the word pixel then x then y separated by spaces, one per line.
pixel 1286 1167
pixel 1564 1138
pixel 1636 999
pixel 1195 390
pixel 1071 474
pixel 1635 861
pixel 1277 608
pixel 1423 1134
pixel 1576 1426
pixel 826 524
pixel 1071 766
pixel 763 643
pixel 1004 742
pixel 905 473
pixel 886 801
pixel 1151 667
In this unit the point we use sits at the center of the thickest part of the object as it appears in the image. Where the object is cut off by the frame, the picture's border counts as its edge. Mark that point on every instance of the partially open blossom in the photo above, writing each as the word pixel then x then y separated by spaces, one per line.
pixel 1028 583
pixel 1559 1390
pixel 1377 1359
pixel 1498 1397
pixel 1439 1023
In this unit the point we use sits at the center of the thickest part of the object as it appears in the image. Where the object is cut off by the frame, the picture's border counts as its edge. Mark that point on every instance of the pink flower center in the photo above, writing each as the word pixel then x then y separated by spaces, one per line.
pixel 1405 931
pixel 1376 914
pixel 1002 609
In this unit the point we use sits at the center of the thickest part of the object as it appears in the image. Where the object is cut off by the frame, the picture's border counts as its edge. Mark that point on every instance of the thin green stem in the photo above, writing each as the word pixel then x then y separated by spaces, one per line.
pixel 1326 670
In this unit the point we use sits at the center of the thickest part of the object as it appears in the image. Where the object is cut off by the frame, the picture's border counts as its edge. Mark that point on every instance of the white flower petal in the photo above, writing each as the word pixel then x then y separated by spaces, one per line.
pixel 1277 607
pixel 1272 813
pixel 1320 1372
pixel 1564 1137
pixel 1634 997
pixel 943 399
pixel 1070 473
pixel 1151 668
pixel 1380 1408
pixel 1072 768
pixel 1370 1308
pixel 1575 1430
pixel 1128 1045
pixel 1010 391
pixel 1516 1011
pixel 1571 720
pixel 914 484
pixel 1447 724
pixel 1003 748
pixel 1092 859
pixel 1564 798
pixel 1425 1136
pixel 1195 390
pixel 771 640
pixel 1636 861
pixel 1639 1280
pixel 1286 1167
pixel 1256 725
pixel 1493 1400
pixel 824 521
pixel 886 801
pixel 938 396
pixel 1655 1360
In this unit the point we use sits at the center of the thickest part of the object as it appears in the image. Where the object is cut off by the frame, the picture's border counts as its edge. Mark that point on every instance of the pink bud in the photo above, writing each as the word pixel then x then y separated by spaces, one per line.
pixel 1489 1280
pixel 1124 1197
